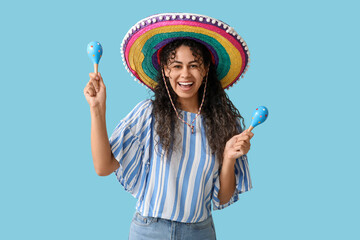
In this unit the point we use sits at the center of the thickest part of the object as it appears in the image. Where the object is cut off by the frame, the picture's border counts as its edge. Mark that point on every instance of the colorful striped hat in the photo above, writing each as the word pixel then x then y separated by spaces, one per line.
pixel 142 44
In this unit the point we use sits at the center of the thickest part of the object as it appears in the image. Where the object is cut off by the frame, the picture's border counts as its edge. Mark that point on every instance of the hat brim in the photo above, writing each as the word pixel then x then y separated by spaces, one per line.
pixel 140 47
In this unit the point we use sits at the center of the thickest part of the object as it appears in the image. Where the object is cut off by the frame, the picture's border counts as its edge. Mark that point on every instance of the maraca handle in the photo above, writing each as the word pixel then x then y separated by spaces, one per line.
pixel 250 128
pixel 96 66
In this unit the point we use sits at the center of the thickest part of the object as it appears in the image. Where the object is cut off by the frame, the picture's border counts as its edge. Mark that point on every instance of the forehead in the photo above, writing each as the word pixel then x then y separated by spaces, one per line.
pixel 186 54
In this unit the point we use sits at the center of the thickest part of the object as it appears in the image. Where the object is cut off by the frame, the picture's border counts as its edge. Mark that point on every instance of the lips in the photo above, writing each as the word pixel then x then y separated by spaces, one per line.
pixel 185 86
pixel 186 83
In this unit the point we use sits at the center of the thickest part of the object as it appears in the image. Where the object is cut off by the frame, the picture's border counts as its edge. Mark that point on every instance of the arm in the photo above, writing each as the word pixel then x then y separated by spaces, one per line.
pixel 237 146
pixel 227 182
pixel 95 93
pixel 104 161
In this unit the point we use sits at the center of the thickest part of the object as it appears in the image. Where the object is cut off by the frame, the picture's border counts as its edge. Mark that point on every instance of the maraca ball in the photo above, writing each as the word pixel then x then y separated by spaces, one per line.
pixel 94 50
pixel 259 116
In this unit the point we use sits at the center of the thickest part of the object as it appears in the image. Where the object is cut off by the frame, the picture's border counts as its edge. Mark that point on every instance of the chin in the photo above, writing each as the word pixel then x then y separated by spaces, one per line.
pixel 186 95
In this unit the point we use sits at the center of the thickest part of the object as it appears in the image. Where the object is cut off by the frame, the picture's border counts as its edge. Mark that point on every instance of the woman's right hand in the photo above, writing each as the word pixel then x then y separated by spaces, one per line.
pixel 95 91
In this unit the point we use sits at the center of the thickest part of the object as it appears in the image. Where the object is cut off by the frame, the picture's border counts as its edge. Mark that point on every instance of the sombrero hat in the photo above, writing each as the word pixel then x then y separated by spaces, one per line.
pixel 143 42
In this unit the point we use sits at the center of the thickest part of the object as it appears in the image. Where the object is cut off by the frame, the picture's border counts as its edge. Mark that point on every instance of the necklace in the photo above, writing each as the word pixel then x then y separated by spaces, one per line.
pixel 177 114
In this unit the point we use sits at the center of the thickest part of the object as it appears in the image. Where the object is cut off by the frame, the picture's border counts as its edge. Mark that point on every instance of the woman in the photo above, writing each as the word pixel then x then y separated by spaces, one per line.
pixel 185 149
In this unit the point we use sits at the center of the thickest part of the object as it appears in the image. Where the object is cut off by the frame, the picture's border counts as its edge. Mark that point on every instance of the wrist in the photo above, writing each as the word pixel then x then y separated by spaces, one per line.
pixel 228 162
pixel 97 111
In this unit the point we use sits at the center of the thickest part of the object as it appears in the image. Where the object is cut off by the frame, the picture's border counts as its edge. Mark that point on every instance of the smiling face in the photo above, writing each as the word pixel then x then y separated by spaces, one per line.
pixel 186 74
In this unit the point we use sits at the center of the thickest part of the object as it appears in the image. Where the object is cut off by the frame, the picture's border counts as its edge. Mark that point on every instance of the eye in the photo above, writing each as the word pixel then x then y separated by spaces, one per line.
pixel 177 66
pixel 193 65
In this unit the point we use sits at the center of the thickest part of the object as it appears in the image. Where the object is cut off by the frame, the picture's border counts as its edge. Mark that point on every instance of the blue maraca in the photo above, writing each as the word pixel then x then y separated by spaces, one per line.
pixel 94 50
pixel 259 116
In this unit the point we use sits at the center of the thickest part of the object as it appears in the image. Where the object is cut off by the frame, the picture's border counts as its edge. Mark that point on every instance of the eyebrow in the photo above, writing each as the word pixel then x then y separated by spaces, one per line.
pixel 182 62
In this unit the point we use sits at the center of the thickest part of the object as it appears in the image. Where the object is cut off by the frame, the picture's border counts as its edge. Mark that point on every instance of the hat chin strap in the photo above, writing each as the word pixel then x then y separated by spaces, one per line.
pixel 172 103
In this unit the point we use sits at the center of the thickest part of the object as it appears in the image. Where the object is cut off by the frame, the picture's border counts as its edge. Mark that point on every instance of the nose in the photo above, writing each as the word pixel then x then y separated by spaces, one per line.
pixel 185 73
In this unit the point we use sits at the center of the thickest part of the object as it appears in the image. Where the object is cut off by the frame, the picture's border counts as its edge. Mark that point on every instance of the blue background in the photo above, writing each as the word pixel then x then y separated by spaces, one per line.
pixel 304 161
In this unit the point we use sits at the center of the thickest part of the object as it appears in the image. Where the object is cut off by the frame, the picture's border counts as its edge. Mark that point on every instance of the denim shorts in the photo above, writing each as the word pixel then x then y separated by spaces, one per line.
pixel 150 228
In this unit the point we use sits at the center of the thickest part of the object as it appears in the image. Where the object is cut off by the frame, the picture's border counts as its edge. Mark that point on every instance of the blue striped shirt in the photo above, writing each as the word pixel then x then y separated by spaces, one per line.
pixel 180 185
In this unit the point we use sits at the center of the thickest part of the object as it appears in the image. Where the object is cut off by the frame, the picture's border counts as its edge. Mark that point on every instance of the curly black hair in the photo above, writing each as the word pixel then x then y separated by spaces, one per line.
pixel 220 117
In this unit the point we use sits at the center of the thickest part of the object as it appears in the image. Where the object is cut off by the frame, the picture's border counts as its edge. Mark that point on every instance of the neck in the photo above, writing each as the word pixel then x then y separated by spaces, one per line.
pixel 190 105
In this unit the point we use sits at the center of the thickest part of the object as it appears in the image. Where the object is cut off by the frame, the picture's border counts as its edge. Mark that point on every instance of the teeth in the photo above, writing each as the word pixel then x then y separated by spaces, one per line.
pixel 186 84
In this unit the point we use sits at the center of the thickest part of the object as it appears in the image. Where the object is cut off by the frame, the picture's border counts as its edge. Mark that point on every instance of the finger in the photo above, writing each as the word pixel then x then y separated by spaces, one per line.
pixel 247 141
pixel 95 79
pixel 93 75
pixel 238 144
pixel 90 92
pixel 101 80
pixel 245 148
pixel 87 94
pixel 242 144
pixel 91 84
pixel 95 84
pixel 237 149
pixel 91 89
pixel 86 88
pixel 243 137
pixel 251 134
pixel 248 134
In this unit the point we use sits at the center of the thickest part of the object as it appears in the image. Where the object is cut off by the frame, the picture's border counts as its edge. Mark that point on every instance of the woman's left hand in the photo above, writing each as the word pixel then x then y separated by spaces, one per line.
pixel 237 146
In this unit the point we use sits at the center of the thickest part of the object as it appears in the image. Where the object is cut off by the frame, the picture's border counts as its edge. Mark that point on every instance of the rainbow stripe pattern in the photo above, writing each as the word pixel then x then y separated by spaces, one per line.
pixel 141 45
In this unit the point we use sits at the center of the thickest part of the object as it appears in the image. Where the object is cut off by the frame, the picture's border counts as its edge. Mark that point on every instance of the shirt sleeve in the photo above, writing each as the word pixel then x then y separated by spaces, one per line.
pixel 242 180
pixel 130 146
